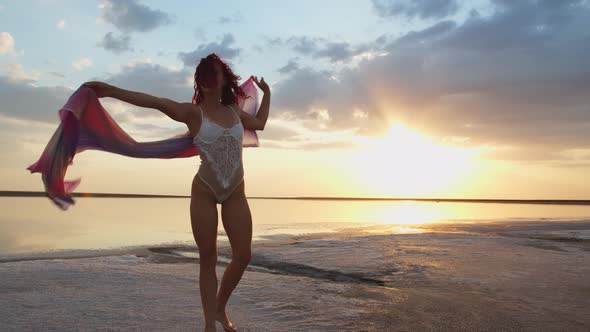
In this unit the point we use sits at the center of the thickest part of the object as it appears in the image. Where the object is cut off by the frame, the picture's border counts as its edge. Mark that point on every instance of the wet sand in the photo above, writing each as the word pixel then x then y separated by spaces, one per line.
pixel 501 276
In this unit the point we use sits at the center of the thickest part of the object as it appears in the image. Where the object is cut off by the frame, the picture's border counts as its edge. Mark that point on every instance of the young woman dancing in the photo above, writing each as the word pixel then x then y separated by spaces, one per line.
pixel 216 124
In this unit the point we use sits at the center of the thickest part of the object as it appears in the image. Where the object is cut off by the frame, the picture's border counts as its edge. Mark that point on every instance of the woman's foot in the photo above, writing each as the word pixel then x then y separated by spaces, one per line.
pixel 228 326
pixel 210 329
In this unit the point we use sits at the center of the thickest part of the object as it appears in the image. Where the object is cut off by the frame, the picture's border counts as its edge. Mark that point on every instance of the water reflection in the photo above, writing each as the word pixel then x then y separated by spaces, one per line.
pixel 33 224
pixel 406 212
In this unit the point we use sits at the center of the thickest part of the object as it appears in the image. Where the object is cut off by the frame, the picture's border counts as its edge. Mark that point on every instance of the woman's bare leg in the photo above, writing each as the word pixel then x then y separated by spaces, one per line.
pixel 203 211
pixel 237 222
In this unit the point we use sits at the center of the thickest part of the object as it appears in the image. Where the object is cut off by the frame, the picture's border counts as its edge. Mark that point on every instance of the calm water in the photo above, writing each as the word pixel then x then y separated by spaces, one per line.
pixel 29 225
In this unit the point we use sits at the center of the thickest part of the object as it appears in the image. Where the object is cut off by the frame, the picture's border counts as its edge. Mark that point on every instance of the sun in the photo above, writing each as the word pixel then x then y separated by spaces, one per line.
pixel 405 162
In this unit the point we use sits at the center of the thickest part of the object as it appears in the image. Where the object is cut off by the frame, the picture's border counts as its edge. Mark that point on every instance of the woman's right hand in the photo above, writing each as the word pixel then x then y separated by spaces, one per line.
pixel 100 88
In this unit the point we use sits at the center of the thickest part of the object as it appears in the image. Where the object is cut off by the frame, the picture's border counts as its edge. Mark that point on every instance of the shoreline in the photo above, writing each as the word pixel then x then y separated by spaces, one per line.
pixel 488 228
pixel 13 193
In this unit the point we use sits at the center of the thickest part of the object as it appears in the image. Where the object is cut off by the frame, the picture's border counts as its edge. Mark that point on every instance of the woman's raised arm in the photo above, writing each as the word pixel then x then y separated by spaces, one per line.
pixel 176 111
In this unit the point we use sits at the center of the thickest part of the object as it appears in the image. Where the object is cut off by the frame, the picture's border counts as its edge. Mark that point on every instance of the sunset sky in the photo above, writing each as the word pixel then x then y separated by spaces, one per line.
pixel 432 98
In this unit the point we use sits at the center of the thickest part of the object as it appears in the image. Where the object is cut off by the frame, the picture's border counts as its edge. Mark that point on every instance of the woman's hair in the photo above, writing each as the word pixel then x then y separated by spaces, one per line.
pixel 205 75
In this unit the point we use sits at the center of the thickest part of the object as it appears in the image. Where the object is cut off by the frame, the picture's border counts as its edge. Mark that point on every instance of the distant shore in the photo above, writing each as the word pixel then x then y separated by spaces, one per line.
pixel 11 193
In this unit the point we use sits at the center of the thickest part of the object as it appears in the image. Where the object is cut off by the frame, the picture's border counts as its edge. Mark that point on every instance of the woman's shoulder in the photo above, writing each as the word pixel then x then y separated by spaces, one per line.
pixel 192 110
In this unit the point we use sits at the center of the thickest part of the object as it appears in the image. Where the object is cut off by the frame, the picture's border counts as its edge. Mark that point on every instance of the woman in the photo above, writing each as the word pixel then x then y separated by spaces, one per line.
pixel 216 124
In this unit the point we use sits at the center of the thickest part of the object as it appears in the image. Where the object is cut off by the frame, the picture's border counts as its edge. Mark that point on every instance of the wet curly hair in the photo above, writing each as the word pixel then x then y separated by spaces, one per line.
pixel 205 76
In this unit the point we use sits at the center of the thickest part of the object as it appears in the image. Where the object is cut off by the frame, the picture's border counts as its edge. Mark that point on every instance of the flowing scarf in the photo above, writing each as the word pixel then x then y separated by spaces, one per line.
pixel 86 125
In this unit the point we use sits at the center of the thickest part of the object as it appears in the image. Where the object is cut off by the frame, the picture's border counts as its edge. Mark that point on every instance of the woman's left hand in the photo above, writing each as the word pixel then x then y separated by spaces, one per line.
pixel 262 84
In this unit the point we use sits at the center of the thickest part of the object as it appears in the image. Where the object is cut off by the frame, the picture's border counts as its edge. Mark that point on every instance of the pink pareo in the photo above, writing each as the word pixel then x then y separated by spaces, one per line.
pixel 86 125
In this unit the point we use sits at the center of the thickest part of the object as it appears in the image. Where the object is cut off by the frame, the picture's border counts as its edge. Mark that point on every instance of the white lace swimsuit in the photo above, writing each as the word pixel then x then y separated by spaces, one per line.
pixel 220 149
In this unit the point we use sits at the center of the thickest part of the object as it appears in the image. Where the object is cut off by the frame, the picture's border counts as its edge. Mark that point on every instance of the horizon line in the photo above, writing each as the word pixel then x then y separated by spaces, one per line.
pixel 14 193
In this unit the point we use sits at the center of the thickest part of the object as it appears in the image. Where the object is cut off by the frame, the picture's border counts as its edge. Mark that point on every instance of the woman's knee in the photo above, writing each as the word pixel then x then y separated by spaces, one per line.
pixel 208 257
pixel 243 257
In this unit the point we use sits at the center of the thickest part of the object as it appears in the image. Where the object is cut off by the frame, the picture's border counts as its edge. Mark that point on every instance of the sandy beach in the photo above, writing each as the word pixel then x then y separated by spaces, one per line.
pixel 500 276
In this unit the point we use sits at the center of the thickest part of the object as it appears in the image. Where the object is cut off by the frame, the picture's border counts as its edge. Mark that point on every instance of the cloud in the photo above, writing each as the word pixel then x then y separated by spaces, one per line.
pixel 156 80
pixel 21 100
pixel 6 43
pixel 304 45
pixel 82 63
pixel 304 88
pixel 287 132
pixel 423 9
pixel 16 72
pixel 54 73
pixel 115 44
pixel 289 67
pixel 236 18
pixel 318 47
pixel 132 16
pixel 340 51
pixel 514 78
pixel 224 49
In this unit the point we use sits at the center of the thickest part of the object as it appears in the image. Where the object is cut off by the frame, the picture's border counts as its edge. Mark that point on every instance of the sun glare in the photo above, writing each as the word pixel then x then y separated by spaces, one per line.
pixel 405 162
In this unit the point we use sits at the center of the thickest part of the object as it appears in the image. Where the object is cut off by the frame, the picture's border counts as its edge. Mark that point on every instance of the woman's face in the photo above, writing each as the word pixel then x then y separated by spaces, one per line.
pixel 219 75
pixel 219 78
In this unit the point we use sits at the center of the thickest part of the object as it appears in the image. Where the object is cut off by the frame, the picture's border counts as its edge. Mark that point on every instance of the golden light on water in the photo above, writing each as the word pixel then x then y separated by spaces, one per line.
pixel 411 214
pixel 405 162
